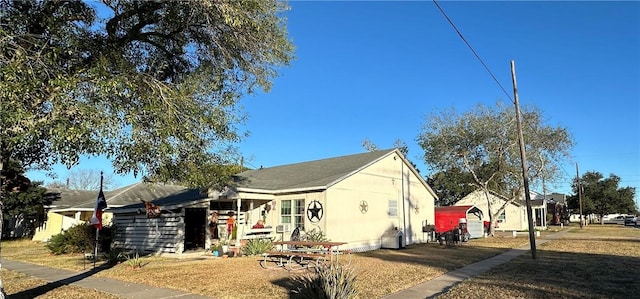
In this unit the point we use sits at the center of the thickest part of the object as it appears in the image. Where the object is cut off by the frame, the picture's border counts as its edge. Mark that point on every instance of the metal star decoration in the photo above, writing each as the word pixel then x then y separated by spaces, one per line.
pixel 364 207
pixel 314 211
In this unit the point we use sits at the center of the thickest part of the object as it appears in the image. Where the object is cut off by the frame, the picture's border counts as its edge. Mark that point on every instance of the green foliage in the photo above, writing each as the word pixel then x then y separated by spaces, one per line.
pixel 154 86
pixel 114 256
pixel 257 246
pixel 22 197
pixel 315 235
pixel 79 238
pixel 602 196
pixel 134 260
pixel 451 185
pixel 328 281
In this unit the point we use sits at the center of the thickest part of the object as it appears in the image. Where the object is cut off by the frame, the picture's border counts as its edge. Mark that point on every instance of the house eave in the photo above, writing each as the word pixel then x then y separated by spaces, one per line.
pixel 71 210
pixel 276 192
pixel 141 208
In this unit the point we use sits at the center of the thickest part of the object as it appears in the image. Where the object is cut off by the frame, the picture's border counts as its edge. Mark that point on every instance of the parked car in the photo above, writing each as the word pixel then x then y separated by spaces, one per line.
pixel 630 220
pixel 614 220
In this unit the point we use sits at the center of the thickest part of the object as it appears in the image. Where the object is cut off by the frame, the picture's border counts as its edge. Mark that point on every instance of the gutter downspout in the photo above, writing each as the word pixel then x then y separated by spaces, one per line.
pixel 404 215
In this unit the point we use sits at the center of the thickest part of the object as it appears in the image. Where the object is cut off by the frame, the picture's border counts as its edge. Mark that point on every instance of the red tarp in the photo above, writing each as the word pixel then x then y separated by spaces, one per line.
pixel 448 218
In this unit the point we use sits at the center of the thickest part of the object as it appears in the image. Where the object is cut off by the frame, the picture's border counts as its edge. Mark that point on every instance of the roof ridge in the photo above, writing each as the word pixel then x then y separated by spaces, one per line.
pixel 123 191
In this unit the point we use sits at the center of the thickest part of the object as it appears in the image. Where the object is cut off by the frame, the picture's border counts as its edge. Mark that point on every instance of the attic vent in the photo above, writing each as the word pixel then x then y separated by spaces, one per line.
pixel 393 208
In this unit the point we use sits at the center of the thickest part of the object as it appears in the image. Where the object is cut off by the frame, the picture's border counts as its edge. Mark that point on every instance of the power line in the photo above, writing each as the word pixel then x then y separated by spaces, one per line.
pixel 472 50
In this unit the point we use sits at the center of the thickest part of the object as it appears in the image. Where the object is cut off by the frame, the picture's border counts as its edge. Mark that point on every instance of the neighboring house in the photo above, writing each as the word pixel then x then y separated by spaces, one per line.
pixel 514 216
pixel 357 199
pixel 73 207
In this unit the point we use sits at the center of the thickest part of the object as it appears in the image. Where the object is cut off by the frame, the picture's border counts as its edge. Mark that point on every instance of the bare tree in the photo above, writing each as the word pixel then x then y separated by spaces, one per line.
pixel 88 179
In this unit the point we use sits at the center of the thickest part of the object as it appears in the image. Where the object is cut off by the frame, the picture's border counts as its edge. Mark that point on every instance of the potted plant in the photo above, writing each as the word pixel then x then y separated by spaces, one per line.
pixel 215 249
pixel 224 243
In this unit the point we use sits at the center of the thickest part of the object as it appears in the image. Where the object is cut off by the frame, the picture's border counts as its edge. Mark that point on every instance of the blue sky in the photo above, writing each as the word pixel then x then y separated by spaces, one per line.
pixel 375 70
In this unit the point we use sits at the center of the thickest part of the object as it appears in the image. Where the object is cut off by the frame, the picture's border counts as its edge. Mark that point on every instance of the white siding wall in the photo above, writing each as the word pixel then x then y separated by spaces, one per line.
pixel 516 217
pixel 377 185
pixel 158 235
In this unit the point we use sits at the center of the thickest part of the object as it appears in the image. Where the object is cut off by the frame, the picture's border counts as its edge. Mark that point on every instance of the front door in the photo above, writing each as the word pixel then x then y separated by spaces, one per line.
pixel 195 220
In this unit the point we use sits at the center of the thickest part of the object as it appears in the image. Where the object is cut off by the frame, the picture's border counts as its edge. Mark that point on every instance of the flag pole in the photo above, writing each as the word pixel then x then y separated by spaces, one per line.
pixel 95 248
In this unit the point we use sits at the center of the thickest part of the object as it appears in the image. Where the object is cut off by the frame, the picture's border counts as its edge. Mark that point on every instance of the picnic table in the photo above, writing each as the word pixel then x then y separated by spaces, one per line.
pixel 295 255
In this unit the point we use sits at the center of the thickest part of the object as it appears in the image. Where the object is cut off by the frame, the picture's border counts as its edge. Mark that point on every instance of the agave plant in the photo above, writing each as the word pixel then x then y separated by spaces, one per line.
pixel 328 281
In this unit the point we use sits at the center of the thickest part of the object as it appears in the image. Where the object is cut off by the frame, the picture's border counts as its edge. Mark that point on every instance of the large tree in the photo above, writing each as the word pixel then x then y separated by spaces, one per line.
pixel 451 185
pixel 149 84
pixel 23 199
pixel 482 147
pixel 602 196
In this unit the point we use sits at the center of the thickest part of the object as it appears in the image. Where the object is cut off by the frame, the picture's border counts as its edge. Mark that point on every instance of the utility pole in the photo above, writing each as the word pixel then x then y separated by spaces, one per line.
pixel 523 156
pixel 578 185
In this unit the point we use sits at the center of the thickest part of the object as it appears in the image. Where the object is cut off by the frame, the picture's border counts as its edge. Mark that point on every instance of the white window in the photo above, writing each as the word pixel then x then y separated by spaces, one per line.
pixel 503 217
pixel 393 208
pixel 292 213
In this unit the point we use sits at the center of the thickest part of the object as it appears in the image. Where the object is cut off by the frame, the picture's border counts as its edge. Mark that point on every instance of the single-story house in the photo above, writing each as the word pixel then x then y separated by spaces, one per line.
pixel 72 207
pixel 514 216
pixel 360 199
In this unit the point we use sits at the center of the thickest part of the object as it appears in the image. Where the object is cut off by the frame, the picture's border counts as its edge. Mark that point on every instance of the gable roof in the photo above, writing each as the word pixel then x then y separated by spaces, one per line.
pixel 82 200
pixel 536 200
pixel 318 174
pixel 64 198
pixel 311 175
pixel 458 210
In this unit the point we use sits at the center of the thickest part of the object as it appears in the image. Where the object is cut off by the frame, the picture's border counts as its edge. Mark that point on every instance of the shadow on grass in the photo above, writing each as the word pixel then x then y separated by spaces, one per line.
pixel 287 284
pixel 41 290
pixel 433 255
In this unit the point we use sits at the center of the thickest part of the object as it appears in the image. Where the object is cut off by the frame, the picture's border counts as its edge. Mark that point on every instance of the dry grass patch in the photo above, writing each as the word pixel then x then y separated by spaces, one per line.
pixel 243 277
pixel 593 262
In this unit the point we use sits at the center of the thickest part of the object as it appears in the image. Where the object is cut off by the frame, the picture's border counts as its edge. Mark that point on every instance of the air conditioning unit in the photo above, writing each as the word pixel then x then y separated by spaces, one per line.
pixel 281 228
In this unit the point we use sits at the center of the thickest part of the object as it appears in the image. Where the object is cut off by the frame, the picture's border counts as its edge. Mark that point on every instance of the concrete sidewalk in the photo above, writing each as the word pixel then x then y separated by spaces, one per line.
pixel 59 277
pixel 441 284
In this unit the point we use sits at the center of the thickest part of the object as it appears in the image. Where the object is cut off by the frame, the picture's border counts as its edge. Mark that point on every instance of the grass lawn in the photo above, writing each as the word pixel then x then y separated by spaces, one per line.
pixel 388 270
pixel 593 262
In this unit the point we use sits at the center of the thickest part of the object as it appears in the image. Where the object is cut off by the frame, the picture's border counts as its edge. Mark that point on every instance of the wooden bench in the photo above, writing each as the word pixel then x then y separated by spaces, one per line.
pixel 258 233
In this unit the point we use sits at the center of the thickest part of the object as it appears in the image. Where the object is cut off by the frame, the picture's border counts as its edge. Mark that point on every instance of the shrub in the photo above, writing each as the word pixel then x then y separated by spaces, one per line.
pixel 257 246
pixel 328 281
pixel 315 235
pixel 114 256
pixel 79 238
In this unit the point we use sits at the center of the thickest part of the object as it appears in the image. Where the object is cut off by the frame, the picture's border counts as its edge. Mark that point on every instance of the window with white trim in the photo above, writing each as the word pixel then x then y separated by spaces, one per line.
pixel 292 213
pixel 503 217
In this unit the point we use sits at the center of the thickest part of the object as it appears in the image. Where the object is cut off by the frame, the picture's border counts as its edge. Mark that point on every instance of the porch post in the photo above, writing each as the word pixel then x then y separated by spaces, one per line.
pixel 250 221
pixel 238 232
